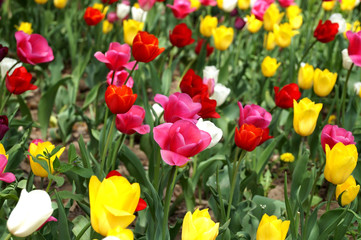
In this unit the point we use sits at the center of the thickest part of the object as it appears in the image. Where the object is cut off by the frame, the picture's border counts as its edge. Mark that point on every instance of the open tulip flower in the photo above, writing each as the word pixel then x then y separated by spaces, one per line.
pixel 272 228
pixel 93 16
pixel 145 47
pixel 305 116
pixel 199 225
pixel 20 81
pixel 131 121
pixel 119 99
pixel 284 97
pixel 347 191
pixel 326 32
pixel 354 47
pixel 181 8
pixel 254 115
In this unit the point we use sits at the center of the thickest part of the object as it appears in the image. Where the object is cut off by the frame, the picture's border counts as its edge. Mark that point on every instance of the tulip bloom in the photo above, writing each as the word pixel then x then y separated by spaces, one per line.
pixel 254 115
pixel 180 140
pixel 248 137
pixel 253 24
pixel 284 97
pixel 146 5
pixel 305 116
pixel 181 8
pixel 3 52
pixel 271 227
pixel 346 60
pixel 220 93
pixel 20 81
pixel 139 15
pixel 227 5
pixel 192 84
pixel 326 32
pixel 5 176
pixel 60 3
pixel 145 47
pixel 259 8
pixel 181 36
pixel 269 66
pixel 132 121
pixel 332 134
pixel 30 213
pixel 283 34
pixel 244 4
pixel 112 203
pixel 305 76
pixel 341 160
pixel 119 99
pixel 323 82
pixel 348 191
pixel 107 26
pixel 239 23
pixel 122 10
pixel 271 17
pixel 286 3
pixel 354 47
pixel 33 49
pixel 215 132
pixel 223 37
pixel 93 16
pixel 4 126
pixel 131 28
pixel 199 225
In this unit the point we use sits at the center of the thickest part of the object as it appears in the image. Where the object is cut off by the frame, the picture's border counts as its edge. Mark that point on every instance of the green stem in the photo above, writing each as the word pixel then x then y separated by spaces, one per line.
pixel 219 59
pixel 168 197
pixel 113 77
pixel 307 51
pixel 49 185
pixel 110 135
pixel 331 193
pixel 4 103
pixel 156 179
pixel 131 72
pixel 118 146
pixel 343 97
pixel 8 237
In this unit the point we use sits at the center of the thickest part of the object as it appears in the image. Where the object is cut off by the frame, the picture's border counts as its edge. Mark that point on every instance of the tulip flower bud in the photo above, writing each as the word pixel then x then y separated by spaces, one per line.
pixel 337 18
pixel 223 37
pixel 271 17
pixel 26 27
pixel 269 66
pixel 122 10
pixel 253 24
pixel 207 25
pixel 139 14
pixel 323 82
pixel 305 116
pixel 199 225
pixel 346 60
pixel 4 125
pixel 347 191
pixel 271 226
pixel 60 3
pixel 305 76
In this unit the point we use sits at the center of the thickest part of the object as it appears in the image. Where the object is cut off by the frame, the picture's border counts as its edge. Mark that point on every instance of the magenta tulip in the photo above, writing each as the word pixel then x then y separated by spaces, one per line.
pixel 332 134
pixel 119 78
pixel 132 121
pixel 254 115
pixel 5 176
pixel 179 141
pixel 208 2
pixel 4 125
pixel 286 3
pixel 179 106
pixel 181 8
pixel 260 7
pixel 33 49
pixel 146 5
pixel 354 48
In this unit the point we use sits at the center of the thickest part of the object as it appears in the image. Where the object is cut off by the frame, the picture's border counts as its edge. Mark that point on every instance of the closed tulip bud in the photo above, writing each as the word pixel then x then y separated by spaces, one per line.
pixel 30 213
pixel 269 66
pixel 60 3
pixel 220 93
pixel 284 97
pixel 208 24
pixel 199 225
pixel 283 34
pixel 107 26
pixel 272 228
pixel 93 16
pixel 305 116
pixel 239 23
pixel 346 60
pixel 341 160
pixel 347 191
pixel 26 27
pixel 244 4
pixel 223 37
pixel 119 99
pixel 348 5
pixel 41 1
pixel 323 82
pixel 227 5
pixel 253 24
pixel 305 76
pixel 131 28
pixel 271 17
pixel 269 41
pixel 139 14
pixel 122 10
pixel 329 5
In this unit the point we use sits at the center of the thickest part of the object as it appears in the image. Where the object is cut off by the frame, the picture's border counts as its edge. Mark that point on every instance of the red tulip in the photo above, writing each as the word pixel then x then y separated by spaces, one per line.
pixel 181 36
pixel 326 32
pixel 109 1
pixel 145 47
pixel 198 48
pixel 93 16
pixel 208 109
pixel 119 99
pixel 19 81
pixel 284 97
pixel 192 84
pixel 248 137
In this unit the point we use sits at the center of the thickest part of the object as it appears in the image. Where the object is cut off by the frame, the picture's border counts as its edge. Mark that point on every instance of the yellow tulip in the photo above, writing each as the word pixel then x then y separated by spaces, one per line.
pixel 269 41
pixel 341 160
pixel 355 27
pixel 296 22
pixel 287 157
pixel 223 37
pixel 60 3
pixel 332 119
pixel 41 1
pixel 305 114
pixel 283 34
pixel 272 228
pixel 253 24
pixel 271 17
pixel 349 191
pixel 199 225
pixel 39 149
pixel 195 4
pixel 107 26
pixel 2 151
pixel 323 82
pixel 101 8
pixel 26 27
pixel 305 76
pixel 269 66
pixel 131 28
pixel 329 5
pixel 112 203
pixel 121 233
pixel 244 4
pixel 208 24
pixel 293 11
pixel 348 5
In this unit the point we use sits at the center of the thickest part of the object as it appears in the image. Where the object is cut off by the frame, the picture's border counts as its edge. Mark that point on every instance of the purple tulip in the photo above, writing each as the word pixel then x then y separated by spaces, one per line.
pixel 3 52
pixel 4 125
pixel 332 134
pixel 255 115
pixel 239 23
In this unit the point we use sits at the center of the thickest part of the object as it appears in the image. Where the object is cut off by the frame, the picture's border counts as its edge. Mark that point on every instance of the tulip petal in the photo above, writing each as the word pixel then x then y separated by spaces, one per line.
pixel 172 158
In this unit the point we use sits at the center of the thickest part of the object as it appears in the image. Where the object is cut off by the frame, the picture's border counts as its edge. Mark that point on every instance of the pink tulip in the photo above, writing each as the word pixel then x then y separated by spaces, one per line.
pixel 332 134
pixel 5 177
pixel 181 8
pixel 354 48
pixel 132 121
pixel 179 106
pixel 210 82
pixel 119 78
pixel 286 3
pixel 260 7
pixel 33 49
pixel 179 141
pixel 112 17
pixel 208 2
pixel 117 57
pixel 254 115
pixel 146 5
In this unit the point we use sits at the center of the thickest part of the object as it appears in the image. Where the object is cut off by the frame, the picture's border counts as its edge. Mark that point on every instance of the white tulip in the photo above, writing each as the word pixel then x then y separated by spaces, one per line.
pixel 337 18
pixel 229 5
pixel 209 127
pixel 357 87
pixel 122 10
pixel 211 72
pixel 139 14
pixel 220 93
pixel 6 64
pixel 158 111
pixel 346 60
pixel 30 213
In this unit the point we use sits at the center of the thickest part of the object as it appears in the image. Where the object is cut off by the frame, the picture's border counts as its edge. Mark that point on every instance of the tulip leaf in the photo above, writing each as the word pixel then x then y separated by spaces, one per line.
pixel 265 155
pixel 91 96
pixel 63 228
pixel 329 220
pixel 70 195
pixel 299 174
pixel 166 81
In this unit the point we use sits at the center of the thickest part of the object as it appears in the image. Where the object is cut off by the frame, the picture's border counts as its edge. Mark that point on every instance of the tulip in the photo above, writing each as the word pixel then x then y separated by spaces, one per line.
pixel 119 233
pixel 131 28
pixel 284 97
pixel 248 137
pixel 227 5
pixel 348 5
pixel 208 106
pixel 20 81
pixel 244 4
pixel 337 18
pixel 332 134
pixel 60 3
pixel 329 5
pixel 174 151
pixel 220 93
pixel 132 121
pixel 119 78
pixel 179 106
pixel 139 15
pixel 199 225
pixel 207 25
pixel 122 10
pixel 286 3
pixel 341 160
pixel 305 116
pixel 4 126
pixel 259 8
pixel 107 26
pixel 145 47
pixel 293 11
pixel 7 176
pixel 269 66
pixel 117 57
pixel 41 1
pixel 112 17
pixel 26 27
pixel 323 82
pixel 93 16
pixel 283 34
pixel 109 1
pixel 253 24
pixel 181 8
pixel 146 5
pixel 357 88
pixel 346 60
pixel 31 211
pixel 33 49
pixel 3 152
pixel 347 191
pixel 271 17
pixel 305 76
pixel 119 99
pixel 112 203
pixel 254 115
pixel 6 64
pixel 326 32
pixel 239 23
pixel 354 47
pixel 198 48
pixel 272 228
pixel 269 41
pixel 210 72
pixel 287 157
pixel 181 36
pixel 223 37
pixel 192 84
pixel 208 2
pixel 215 132
pixel 195 4
pixel 3 52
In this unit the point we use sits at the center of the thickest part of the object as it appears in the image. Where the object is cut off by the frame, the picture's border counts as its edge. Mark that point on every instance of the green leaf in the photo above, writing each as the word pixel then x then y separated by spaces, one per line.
pixel 91 95
pixel 299 174
pixel 265 155
pixel 70 195
pixel 63 228
pixel 166 81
